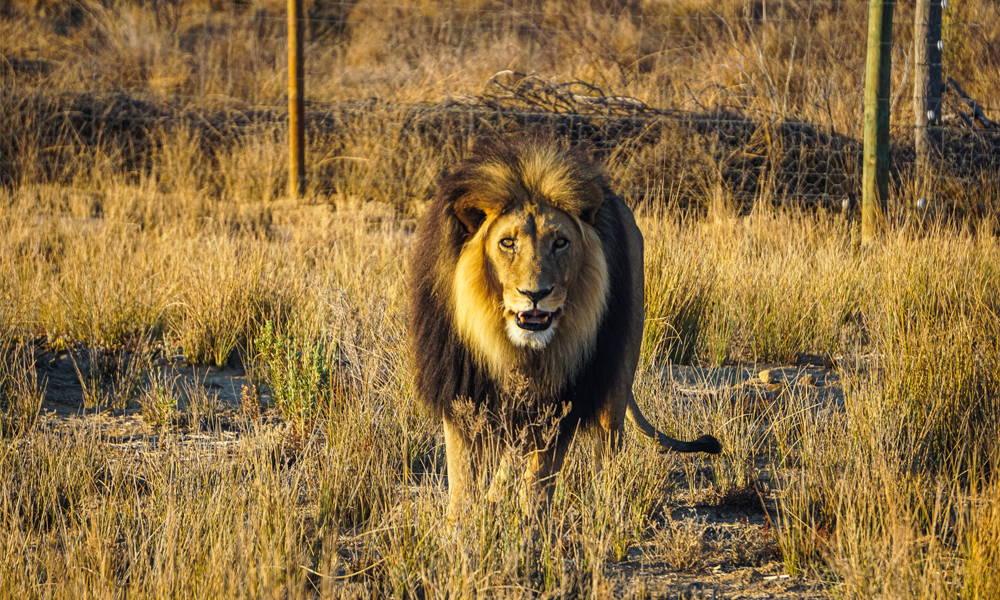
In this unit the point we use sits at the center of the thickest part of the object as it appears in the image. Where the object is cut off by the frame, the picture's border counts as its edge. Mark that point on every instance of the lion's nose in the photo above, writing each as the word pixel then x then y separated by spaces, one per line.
pixel 536 296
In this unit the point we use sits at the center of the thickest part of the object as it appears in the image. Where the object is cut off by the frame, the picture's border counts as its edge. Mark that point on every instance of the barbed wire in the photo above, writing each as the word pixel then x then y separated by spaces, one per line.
pixel 787 159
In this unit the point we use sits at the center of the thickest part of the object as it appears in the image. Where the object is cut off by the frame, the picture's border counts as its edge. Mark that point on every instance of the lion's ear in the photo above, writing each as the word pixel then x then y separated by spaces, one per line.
pixel 472 212
pixel 593 201
pixel 471 217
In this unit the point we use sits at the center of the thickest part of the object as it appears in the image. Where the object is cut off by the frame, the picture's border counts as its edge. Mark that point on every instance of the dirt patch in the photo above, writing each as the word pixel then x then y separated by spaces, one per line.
pixel 64 396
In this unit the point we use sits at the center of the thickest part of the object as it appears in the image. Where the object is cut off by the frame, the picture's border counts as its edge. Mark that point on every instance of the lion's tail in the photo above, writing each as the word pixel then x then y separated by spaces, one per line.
pixel 705 443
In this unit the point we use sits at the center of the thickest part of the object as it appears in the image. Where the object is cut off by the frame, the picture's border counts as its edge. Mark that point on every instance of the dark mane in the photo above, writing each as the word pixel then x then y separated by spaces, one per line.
pixel 445 368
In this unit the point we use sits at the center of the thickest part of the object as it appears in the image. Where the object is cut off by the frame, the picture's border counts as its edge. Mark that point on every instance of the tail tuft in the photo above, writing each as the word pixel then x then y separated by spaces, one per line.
pixel 707 444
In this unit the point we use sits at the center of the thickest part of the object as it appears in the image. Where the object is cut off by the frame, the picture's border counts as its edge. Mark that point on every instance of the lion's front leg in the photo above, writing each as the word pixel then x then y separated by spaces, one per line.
pixel 607 443
pixel 461 470
pixel 540 475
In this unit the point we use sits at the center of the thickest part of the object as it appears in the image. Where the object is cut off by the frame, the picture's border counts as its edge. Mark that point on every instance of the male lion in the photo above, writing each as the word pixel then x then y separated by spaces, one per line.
pixel 527 301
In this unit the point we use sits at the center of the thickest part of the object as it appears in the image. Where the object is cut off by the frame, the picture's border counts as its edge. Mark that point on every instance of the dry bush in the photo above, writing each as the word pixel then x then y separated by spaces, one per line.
pixel 682 544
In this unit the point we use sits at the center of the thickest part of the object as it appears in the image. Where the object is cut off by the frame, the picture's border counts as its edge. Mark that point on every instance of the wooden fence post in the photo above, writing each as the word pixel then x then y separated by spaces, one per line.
pixel 927 84
pixel 878 76
pixel 296 100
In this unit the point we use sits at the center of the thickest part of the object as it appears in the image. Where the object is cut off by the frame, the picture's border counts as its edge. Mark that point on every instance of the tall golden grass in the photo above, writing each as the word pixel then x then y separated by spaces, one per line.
pixel 890 493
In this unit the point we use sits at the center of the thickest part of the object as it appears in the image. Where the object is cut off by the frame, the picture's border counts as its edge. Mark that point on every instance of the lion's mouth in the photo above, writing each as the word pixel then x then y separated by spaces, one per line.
pixel 535 320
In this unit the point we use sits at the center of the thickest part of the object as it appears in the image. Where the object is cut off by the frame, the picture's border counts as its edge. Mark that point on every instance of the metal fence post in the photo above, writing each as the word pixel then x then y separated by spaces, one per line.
pixel 296 101
pixel 878 76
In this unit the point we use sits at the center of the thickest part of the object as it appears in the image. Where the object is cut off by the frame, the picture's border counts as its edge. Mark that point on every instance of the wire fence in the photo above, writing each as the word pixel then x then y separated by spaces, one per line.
pixel 754 100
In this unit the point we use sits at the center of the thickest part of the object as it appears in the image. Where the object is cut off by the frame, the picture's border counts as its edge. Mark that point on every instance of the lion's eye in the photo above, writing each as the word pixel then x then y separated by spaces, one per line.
pixel 560 243
pixel 507 243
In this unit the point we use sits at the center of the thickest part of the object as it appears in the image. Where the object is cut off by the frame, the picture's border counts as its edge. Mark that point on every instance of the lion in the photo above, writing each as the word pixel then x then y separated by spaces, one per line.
pixel 527 283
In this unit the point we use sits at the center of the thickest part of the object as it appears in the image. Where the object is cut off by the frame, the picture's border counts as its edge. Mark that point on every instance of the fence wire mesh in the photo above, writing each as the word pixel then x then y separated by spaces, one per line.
pixel 687 101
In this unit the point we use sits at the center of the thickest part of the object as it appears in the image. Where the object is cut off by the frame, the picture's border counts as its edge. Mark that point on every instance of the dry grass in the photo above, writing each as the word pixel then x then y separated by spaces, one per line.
pixel 342 492
pixel 160 233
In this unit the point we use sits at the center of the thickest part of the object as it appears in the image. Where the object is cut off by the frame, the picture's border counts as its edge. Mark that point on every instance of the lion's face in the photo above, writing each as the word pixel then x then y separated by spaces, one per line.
pixel 531 283
pixel 535 252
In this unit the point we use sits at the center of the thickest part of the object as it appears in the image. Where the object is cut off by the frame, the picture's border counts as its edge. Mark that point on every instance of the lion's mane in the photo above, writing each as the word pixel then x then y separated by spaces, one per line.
pixel 447 368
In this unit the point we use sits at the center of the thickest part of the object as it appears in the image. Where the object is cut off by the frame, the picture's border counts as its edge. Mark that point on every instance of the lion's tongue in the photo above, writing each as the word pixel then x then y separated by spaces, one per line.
pixel 534 316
